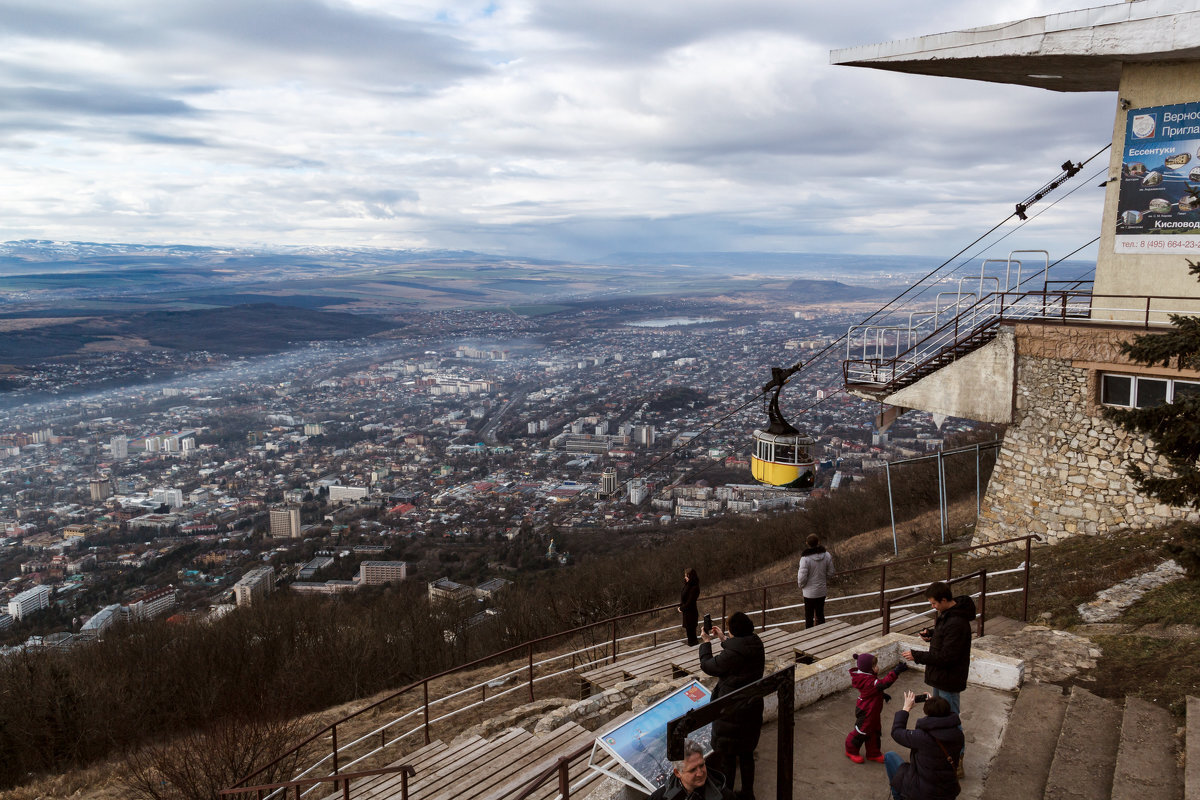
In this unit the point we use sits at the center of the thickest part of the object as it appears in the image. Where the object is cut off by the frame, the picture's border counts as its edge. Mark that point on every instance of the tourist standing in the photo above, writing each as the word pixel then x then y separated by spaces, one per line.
pixel 687 605
pixel 949 656
pixel 741 662
pixel 816 568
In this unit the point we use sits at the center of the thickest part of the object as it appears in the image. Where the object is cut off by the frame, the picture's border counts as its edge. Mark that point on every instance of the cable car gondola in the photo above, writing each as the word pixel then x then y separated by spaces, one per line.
pixel 783 456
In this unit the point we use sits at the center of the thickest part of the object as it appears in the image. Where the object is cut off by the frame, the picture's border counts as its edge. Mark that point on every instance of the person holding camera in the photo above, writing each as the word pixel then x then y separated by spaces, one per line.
pixel 948 659
pixel 741 662
pixel 929 773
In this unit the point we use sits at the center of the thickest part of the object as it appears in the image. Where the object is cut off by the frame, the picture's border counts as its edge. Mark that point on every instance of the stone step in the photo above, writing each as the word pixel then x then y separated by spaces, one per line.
pixel 1147 763
pixel 1023 763
pixel 1082 768
pixel 1191 778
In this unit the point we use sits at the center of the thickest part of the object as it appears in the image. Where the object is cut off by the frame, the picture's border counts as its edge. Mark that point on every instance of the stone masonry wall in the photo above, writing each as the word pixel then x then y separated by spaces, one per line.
pixel 1061 469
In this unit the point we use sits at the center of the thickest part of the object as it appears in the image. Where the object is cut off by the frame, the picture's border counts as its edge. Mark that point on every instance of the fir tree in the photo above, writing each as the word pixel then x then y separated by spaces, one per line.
pixel 1173 428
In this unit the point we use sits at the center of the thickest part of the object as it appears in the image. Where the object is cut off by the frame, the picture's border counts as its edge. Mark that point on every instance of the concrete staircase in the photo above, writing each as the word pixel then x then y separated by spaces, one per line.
pixel 1083 747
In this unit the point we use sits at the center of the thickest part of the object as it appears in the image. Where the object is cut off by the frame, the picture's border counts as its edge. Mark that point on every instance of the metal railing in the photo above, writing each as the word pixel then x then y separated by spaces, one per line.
pixel 977 324
pixel 405 771
pixel 336 759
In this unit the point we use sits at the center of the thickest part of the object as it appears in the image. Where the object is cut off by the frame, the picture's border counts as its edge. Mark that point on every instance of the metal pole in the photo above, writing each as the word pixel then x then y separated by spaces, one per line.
pixel 982 600
pixel 425 686
pixel 892 508
pixel 785 735
pixel 335 749
pixel 977 477
pixel 941 495
pixel 531 673
pixel 764 608
pixel 882 588
pixel 950 565
pixel 564 778
pixel 614 640
pixel 1025 594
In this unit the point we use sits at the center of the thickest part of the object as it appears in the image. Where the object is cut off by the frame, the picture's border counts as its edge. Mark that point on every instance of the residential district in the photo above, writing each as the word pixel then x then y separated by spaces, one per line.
pixel 340 466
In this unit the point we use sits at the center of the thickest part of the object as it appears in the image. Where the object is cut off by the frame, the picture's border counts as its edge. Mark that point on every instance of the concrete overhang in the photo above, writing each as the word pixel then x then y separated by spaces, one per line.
pixel 1076 51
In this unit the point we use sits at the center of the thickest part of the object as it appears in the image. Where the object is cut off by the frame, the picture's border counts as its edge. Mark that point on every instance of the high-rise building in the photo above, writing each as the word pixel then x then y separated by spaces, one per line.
pixel 99 488
pixel 285 522
pixel 644 435
pixel 119 445
pixel 254 585
pixel 29 601
pixel 637 491
pixel 608 481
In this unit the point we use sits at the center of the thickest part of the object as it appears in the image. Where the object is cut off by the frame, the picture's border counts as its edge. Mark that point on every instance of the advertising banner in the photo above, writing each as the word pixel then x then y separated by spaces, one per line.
pixel 1158 208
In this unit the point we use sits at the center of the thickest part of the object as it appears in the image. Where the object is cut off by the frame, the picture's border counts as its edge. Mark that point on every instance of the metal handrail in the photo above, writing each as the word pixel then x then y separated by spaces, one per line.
pixel 561 767
pixel 981 574
pixel 527 647
pixel 405 771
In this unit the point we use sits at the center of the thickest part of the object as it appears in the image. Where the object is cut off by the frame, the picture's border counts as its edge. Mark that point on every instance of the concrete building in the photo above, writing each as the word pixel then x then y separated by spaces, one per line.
pixel 28 602
pixel 254 585
pixel 149 605
pixel 608 481
pixel 444 590
pixel 343 493
pixel 119 447
pixel 99 488
pixel 285 522
pixel 101 621
pixel 1061 470
pixel 637 491
pixel 373 573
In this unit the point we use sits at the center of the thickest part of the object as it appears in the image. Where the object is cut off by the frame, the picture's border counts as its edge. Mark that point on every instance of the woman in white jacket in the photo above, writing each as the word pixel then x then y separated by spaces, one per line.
pixel 816 568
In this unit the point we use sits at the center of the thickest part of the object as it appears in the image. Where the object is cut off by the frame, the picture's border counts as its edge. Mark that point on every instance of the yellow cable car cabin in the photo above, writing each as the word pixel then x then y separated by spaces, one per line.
pixel 783 456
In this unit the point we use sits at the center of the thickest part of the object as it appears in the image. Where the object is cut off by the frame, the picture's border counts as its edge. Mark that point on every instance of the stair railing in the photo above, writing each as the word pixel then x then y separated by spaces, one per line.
pixel 525 651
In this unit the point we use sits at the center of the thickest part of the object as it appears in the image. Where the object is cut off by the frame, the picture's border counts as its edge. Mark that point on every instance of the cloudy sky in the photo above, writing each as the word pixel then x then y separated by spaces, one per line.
pixel 551 128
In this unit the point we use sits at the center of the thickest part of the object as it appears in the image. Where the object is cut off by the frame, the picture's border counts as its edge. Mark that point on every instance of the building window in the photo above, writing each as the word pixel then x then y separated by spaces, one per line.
pixel 1116 390
pixel 1139 392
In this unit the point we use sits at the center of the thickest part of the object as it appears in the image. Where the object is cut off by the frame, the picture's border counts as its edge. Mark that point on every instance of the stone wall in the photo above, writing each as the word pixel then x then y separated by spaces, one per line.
pixel 1061 469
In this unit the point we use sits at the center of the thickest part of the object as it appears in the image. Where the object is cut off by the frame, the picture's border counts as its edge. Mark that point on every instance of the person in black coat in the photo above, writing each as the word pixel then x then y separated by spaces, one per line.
pixel 948 659
pixel 929 773
pixel 741 662
pixel 687 605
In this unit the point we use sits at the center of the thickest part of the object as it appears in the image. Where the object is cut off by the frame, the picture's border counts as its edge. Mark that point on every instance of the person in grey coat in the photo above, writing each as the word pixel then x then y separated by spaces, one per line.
pixel 816 568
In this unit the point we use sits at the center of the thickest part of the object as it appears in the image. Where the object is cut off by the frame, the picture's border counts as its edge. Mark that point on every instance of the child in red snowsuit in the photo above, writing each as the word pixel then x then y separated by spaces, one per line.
pixel 867 710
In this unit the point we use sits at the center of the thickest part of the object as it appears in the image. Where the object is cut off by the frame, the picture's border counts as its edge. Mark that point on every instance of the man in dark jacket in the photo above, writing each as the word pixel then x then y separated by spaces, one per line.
pixel 740 663
pixel 690 778
pixel 929 772
pixel 949 656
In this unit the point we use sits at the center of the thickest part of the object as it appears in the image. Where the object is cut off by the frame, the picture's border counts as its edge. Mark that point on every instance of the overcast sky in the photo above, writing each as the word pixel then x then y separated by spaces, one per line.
pixel 550 128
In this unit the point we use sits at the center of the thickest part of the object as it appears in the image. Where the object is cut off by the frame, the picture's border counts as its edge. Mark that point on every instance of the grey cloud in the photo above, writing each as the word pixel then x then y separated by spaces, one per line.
pixel 149 137
pixel 100 101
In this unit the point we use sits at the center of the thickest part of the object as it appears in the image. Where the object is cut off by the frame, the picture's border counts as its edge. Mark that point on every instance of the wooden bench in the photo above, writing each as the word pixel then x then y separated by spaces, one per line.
pixel 781 644
pixel 658 662
pixel 831 642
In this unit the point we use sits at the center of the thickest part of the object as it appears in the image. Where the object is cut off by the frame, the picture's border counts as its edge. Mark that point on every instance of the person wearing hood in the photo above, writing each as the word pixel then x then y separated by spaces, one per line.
pixel 691 779
pixel 816 568
pixel 929 772
pixel 741 662
pixel 949 656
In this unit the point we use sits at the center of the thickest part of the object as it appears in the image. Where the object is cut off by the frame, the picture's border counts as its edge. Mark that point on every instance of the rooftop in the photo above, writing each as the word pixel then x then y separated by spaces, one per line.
pixel 1075 51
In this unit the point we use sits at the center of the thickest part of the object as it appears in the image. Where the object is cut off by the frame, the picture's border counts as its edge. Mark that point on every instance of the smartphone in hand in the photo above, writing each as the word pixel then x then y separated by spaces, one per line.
pixel 708 623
